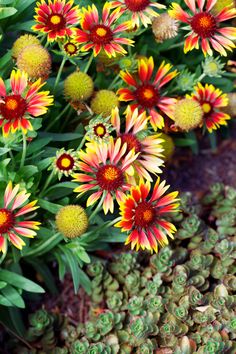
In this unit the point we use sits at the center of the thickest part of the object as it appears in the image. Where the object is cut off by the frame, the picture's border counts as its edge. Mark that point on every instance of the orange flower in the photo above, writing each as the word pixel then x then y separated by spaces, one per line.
pixel 211 99
pixel 102 34
pixel 142 215
pixel 22 103
pixel 204 26
pixel 103 168
pixel 10 225
pixel 147 95
pixel 56 18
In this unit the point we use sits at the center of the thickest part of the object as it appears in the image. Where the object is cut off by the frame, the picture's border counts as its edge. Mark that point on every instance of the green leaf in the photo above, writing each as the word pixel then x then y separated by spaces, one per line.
pixel 26 26
pixel 4 301
pixel 184 142
pixel 73 265
pixel 20 282
pixel 2 284
pixel 28 171
pixel 7 12
pixel 13 296
pixel 16 318
pixel 3 151
pixel 62 137
pixel 51 207
pixel 44 246
pixel 6 2
pixel 85 281
pixel 46 274
pixel 37 145
pixel 5 59
pixel 61 265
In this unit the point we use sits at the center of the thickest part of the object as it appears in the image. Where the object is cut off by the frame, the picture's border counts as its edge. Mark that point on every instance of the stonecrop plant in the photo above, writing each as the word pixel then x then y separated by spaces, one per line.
pixel 94 97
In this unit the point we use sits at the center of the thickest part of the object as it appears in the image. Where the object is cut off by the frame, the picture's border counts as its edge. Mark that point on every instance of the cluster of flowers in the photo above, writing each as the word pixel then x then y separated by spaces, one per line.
pixel 116 163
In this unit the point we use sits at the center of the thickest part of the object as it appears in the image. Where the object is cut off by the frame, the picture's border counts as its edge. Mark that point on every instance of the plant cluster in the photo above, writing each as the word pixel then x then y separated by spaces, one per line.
pixel 180 301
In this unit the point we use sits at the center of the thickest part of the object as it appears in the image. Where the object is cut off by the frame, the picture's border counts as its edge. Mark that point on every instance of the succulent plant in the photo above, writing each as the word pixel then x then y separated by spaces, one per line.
pixel 179 301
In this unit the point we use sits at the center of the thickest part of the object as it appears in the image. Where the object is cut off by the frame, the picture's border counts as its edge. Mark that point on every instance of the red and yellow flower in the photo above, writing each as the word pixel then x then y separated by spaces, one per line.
pixel 11 224
pixel 143 216
pixel 56 18
pixel 147 94
pixel 211 100
pixel 103 168
pixel 22 103
pixel 65 162
pixel 204 25
pixel 140 10
pixel 103 34
pixel 148 146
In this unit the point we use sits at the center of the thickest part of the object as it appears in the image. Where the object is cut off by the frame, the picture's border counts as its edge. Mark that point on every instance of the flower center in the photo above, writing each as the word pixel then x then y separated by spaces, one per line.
pixel 70 48
pixel 144 214
pixel 14 107
pixel 6 220
pixel 137 5
pixel 101 34
pixel 204 24
pixel 110 177
pixel 100 130
pixel 147 95
pixel 131 141
pixel 65 162
pixel 56 22
pixel 206 107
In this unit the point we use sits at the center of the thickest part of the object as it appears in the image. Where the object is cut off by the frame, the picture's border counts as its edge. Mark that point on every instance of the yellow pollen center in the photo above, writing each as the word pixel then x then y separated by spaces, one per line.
pixel 71 48
pixel 65 162
pixel 110 174
pixel 101 32
pixel 100 130
pixel 55 19
pixel 205 22
pixel 11 104
pixel 147 215
pixel 147 93
pixel 206 107
pixel 3 218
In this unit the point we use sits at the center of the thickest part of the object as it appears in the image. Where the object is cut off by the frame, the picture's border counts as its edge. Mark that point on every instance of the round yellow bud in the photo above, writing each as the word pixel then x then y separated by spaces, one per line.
pixel 78 86
pixel 35 60
pixel 72 221
pixel 103 102
pixel 188 114
pixel 168 146
pixel 22 42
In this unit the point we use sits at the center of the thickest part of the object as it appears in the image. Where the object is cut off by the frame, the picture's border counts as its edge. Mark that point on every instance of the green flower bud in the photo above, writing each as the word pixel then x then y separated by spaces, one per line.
pixel 135 305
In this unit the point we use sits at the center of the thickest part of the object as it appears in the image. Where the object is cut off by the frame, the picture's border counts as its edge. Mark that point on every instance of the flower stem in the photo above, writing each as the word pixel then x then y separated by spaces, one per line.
pixel 201 77
pixel 88 64
pixel 48 180
pixel 111 86
pixel 3 255
pixel 98 208
pixel 82 142
pixel 50 125
pixel 176 45
pixel 24 147
pixel 59 73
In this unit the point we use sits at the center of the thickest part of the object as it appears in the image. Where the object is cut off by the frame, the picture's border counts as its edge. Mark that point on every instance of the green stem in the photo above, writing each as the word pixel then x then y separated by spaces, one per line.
pixel 98 208
pixel 113 222
pixel 173 46
pixel 12 159
pixel 59 73
pixel 82 142
pixel 58 117
pixel 24 148
pixel 88 64
pixel 43 247
pixel 111 86
pixel 201 77
pixel 48 180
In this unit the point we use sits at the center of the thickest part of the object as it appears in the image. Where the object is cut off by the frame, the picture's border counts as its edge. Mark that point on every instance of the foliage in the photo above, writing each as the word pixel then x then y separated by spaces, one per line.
pixel 181 299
